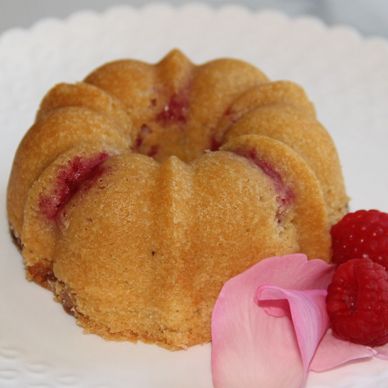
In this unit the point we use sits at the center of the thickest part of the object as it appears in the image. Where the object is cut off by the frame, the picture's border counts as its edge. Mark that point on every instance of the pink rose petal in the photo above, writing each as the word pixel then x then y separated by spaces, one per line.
pixel 251 348
pixel 308 314
pixel 382 352
pixel 269 326
pixel 333 352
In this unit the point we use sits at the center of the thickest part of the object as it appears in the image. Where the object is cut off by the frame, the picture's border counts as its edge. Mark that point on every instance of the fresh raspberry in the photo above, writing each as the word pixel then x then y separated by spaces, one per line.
pixel 357 302
pixel 361 234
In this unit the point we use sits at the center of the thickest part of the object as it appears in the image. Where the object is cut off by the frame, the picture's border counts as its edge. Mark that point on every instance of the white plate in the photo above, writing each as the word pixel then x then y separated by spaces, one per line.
pixel 344 74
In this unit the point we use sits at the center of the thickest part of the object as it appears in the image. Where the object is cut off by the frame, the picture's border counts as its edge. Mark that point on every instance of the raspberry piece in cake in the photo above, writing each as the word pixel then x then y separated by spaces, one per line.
pixel 215 144
pixel 143 132
pixel 78 172
pixel 285 196
pixel 175 111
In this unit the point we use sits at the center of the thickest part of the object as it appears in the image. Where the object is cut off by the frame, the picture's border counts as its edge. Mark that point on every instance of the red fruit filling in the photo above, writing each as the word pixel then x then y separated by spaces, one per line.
pixel 215 144
pixel 78 172
pixel 143 132
pixel 357 302
pixel 175 111
pixel 232 115
pixel 154 149
pixel 285 195
pixel 363 234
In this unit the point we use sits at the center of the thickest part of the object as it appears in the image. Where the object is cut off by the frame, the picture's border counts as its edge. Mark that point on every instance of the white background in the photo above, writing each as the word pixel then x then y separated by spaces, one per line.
pixel 370 17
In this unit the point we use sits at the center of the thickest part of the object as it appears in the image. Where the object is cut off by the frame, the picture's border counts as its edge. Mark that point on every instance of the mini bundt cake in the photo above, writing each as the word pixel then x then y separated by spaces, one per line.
pixel 138 192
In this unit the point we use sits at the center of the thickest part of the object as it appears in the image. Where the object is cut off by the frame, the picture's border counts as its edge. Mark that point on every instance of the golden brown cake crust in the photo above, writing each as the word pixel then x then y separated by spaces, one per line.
pixel 138 192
